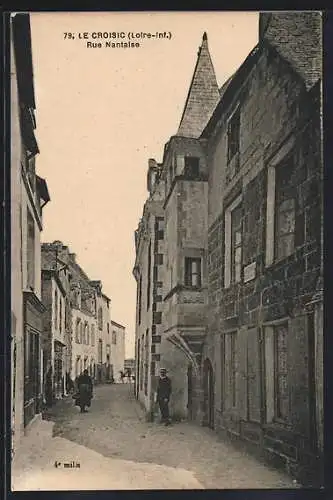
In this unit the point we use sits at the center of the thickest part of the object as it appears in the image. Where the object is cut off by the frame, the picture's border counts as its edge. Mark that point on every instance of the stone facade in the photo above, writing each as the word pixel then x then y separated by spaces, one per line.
pixel 57 320
pixel 148 272
pixel 184 289
pixel 103 368
pixel 28 196
pixel 171 327
pixel 263 322
pixel 241 333
pixel 85 333
pixel 84 343
pixel 84 338
pixel 117 349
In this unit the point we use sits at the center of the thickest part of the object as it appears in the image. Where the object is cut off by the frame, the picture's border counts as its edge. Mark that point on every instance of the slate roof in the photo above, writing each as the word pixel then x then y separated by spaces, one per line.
pixel 297 37
pixel 202 97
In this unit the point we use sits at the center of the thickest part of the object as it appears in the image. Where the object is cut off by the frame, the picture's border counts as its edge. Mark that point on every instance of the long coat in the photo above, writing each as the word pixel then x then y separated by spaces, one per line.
pixel 85 388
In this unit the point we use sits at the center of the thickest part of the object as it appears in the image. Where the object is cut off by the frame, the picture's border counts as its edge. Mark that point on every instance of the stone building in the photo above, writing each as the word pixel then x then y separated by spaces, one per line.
pixel 29 194
pixel 172 332
pixel 103 339
pixel 148 272
pixel 84 344
pixel 117 349
pixel 264 347
pixel 185 175
pixel 240 197
pixel 57 320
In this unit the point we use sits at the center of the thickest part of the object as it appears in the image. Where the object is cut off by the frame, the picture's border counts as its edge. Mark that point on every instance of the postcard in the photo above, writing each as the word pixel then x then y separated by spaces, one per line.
pixel 166 179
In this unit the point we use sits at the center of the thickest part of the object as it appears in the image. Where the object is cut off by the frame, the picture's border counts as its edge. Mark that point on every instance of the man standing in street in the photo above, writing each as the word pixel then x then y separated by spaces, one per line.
pixel 163 395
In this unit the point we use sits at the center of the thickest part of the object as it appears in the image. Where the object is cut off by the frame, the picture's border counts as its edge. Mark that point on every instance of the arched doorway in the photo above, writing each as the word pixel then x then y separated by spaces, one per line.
pixel 208 394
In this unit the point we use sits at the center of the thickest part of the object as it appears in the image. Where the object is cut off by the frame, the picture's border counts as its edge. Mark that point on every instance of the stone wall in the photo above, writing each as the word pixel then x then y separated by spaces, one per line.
pixel 278 118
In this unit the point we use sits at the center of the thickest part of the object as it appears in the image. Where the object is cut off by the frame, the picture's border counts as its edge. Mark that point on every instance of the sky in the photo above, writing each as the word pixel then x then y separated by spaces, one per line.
pixel 103 112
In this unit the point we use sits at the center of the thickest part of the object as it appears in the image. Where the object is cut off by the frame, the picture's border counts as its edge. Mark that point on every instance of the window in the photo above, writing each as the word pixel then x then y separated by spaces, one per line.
pixel 30 251
pixel 284 212
pixel 276 361
pixel 159 259
pixel 233 243
pixel 92 335
pixel 236 244
pixel 193 272
pixel 66 315
pixel 108 327
pixel 100 318
pixel 281 372
pixel 100 351
pixel 157 318
pixel 81 333
pixel 30 168
pixel 87 334
pixel 148 276
pixel 229 364
pixel 114 337
pixel 233 134
pixel 139 298
pixel 77 331
pixel 56 309
pixel 77 367
pixel 191 169
pixel 170 174
pixel 60 314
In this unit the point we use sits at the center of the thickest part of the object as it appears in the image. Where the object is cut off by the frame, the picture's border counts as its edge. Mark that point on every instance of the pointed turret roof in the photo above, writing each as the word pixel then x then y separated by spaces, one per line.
pixel 202 97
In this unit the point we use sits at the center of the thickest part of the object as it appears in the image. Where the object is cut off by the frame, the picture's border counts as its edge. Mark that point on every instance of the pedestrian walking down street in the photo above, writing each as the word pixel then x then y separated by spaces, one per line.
pixel 85 389
pixel 163 396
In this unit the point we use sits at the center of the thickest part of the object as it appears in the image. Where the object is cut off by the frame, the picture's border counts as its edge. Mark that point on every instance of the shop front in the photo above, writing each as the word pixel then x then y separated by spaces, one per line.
pixel 33 370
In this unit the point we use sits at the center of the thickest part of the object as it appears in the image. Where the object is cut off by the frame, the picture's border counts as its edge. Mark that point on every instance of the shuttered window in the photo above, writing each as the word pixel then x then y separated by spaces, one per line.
pixel 253 374
pixel 285 212
pixel 230 370
pixel 281 372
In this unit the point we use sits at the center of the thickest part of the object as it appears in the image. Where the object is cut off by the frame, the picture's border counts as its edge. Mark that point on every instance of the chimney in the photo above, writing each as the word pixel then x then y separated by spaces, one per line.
pixel 151 174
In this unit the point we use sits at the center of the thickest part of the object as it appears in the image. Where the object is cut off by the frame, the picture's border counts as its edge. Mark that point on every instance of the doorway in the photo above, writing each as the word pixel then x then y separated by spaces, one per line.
pixel 208 394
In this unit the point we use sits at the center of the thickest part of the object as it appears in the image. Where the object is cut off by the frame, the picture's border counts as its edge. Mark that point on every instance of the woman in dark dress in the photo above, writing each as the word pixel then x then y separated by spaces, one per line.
pixel 85 389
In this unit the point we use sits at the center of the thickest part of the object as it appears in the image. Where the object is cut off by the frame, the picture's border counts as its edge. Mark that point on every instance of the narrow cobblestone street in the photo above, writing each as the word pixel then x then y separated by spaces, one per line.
pixel 115 437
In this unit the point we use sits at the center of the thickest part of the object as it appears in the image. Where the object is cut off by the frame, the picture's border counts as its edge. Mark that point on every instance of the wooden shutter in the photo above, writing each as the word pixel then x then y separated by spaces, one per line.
pixel 241 382
pixel 253 374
